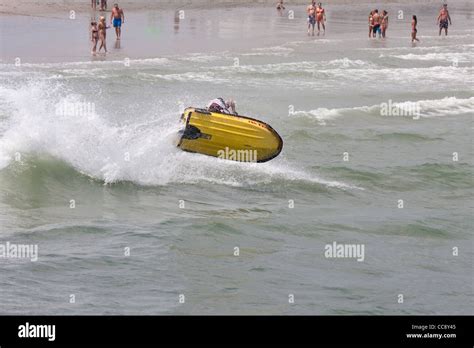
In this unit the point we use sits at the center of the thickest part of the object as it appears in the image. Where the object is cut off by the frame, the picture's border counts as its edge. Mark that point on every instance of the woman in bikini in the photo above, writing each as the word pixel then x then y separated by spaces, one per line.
pixel 384 22
pixel 94 36
pixel 414 31
pixel 102 34
pixel 320 17
pixel 371 23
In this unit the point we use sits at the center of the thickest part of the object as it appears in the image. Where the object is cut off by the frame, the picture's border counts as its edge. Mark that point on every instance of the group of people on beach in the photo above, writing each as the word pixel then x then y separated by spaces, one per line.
pixel 98 30
pixel 378 23
pixel 103 4
pixel 443 20
pixel 316 15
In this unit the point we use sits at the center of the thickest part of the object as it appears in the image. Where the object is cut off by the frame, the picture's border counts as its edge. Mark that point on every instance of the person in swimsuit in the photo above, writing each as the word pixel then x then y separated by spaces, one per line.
pixel 384 24
pixel 443 19
pixel 371 23
pixel 320 17
pixel 102 34
pixel 377 21
pixel 94 36
pixel 311 10
pixel 103 5
pixel 414 31
pixel 221 106
pixel 118 19
pixel 280 7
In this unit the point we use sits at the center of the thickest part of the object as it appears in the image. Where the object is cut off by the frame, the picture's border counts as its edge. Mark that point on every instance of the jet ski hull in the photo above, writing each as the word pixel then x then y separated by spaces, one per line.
pixel 230 137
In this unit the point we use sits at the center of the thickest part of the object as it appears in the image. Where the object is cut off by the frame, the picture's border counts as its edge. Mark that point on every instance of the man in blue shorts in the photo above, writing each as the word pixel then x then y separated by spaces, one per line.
pixel 118 18
pixel 443 19
pixel 311 10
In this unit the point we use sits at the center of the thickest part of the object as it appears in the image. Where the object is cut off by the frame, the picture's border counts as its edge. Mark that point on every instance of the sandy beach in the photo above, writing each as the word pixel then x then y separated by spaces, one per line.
pixel 153 28
pixel 37 7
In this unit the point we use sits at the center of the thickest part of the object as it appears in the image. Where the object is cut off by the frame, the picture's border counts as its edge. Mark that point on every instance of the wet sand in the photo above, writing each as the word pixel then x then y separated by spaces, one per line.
pixel 41 8
pixel 48 32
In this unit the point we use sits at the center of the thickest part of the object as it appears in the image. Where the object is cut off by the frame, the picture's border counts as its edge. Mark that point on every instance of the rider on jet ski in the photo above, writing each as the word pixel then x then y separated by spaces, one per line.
pixel 221 106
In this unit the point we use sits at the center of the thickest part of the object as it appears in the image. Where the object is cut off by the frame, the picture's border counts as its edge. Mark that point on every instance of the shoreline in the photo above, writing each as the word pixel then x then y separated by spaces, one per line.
pixel 37 8
pixel 160 33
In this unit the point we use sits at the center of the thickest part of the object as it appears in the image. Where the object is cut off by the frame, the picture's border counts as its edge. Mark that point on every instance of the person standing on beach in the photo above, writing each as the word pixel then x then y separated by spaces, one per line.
pixel 443 19
pixel 93 4
pixel 280 7
pixel 118 18
pixel 377 21
pixel 94 36
pixel 384 24
pixel 102 34
pixel 371 23
pixel 321 17
pixel 414 31
pixel 103 5
pixel 311 16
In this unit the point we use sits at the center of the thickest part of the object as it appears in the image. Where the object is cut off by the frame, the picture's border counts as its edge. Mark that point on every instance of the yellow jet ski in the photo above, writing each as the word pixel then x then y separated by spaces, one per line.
pixel 231 137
